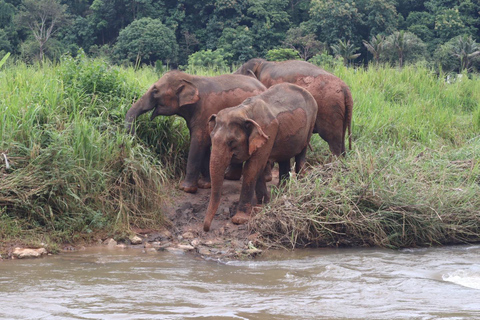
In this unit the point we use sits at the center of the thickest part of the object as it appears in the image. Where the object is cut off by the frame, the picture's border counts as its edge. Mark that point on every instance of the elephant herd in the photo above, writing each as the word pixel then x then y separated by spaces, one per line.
pixel 240 123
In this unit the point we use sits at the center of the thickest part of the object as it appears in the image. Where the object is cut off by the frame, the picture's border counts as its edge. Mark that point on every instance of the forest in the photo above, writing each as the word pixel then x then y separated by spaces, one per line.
pixel 441 34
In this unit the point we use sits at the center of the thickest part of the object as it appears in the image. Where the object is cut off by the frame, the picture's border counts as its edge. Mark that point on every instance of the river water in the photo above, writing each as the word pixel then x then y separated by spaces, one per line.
pixel 433 283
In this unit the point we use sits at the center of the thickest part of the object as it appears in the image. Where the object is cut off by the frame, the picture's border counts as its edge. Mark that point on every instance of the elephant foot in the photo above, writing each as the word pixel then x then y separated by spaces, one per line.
pixel 240 218
pixel 204 184
pixel 234 172
pixel 188 187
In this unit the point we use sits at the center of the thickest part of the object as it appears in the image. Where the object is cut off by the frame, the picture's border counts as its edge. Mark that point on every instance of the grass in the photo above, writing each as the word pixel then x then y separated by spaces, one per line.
pixel 412 178
pixel 72 170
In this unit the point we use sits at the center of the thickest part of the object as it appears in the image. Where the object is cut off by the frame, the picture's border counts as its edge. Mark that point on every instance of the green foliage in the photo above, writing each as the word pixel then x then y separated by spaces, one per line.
pixel 73 171
pixel 325 61
pixel 4 59
pixel 282 54
pixel 403 46
pixel 207 59
pixel 412 178
pixel 146 40
pixel 238 43
pixel 304 42
pixel 346 50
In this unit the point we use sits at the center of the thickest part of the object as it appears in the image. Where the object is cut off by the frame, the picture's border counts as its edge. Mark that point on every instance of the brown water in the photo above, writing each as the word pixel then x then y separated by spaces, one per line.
pixel 439 283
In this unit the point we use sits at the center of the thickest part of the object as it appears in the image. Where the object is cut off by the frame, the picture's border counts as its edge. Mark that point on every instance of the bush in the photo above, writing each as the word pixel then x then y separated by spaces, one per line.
pixel 146 40
pixel 282 54
pixel 207 59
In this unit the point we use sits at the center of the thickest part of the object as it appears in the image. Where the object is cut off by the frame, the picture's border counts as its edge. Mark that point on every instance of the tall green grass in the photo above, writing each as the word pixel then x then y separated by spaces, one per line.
pixel 71 170
pixel 412 178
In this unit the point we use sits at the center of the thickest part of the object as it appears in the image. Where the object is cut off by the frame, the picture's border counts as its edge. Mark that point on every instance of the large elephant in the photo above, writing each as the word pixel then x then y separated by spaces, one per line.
pixel 273 126
pixel 333 96
pixel 195 98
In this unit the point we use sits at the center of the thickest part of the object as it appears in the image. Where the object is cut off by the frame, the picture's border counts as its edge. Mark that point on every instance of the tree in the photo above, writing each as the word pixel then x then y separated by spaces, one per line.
pixel 465 49
pixel 43 18
pixel 146 40
pixel 207 59
pixel 336 20
pixel 282 54
pixel 346 50
pixel 380 16
pixel 304 43
pixel 375 46
pixel 238 43
pixel 269 21
pixel 403 45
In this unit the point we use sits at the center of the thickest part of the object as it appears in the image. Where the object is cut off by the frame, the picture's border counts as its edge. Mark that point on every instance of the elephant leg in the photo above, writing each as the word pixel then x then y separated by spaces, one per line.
pixel 204 181
pixel 251 171
pixel 234 171
pixel 283 172
pixel 300 161
pixel 261 188
pixel 268 171
pixel 196 157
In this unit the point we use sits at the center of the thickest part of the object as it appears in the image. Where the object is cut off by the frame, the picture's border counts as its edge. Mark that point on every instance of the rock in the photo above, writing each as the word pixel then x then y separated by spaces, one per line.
pixel 188 235
pixel 204 251
pixel 185 247
pixel 110 243
pixel 136 240
pixel 121 246
pixel 195 242
pixel 25 253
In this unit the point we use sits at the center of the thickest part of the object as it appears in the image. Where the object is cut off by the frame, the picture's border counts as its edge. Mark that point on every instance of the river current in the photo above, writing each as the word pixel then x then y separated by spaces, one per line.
pixel 432 283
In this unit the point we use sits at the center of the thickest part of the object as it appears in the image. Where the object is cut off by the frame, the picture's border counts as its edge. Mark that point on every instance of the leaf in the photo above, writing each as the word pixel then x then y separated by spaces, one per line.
pixel 4 59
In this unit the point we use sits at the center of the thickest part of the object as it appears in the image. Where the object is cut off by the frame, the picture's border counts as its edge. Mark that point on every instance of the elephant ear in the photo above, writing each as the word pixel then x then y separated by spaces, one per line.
pixel 257 138
pixel 187 93
pixel 212 122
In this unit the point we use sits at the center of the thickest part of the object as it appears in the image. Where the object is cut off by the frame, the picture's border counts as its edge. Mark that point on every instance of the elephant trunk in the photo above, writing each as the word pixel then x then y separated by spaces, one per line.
pixel 136 110
pixel 219 161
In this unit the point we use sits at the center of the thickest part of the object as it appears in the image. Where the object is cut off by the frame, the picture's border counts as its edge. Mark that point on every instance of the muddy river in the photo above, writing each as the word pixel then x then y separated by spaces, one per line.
pixel 438 283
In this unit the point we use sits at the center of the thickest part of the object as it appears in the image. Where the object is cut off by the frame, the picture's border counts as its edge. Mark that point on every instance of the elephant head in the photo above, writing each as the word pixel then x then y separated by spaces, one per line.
pixel 250 68
pixel 164 97
pixel 235 138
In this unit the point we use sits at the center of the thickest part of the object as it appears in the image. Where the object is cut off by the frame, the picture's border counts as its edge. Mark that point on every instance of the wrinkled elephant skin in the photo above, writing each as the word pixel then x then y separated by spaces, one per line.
pixel 274 126
pixel 333 96
pixel 195 98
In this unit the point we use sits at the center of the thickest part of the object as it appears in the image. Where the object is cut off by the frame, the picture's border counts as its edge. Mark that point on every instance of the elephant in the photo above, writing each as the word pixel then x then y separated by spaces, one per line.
pixel 194 98
pixel 333 96
pixel 274 126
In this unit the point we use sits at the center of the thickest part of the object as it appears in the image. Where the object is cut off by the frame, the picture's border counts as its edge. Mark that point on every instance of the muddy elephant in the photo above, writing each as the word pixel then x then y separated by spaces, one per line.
pixel 274 126
pixel 194 98
pixel 332 95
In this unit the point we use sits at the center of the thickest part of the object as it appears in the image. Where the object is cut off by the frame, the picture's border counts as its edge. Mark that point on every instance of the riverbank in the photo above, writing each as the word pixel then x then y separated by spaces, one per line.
pixel 69 173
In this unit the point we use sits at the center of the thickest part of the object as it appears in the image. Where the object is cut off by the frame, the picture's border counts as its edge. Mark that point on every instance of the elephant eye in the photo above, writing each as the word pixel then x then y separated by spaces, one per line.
pixel 230 143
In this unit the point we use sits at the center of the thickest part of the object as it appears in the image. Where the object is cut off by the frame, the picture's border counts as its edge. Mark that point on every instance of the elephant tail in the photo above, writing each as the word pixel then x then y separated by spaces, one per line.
pixel 347 124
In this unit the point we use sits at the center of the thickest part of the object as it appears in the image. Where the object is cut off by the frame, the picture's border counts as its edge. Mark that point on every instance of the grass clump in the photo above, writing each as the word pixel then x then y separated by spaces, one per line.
pixel 68 169
pixel 412 178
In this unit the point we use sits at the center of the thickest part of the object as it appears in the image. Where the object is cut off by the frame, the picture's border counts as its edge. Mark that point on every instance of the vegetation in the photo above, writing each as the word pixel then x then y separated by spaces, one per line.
pixel 67 168
pixel 168 32
pixel 69 171
pixel 412 178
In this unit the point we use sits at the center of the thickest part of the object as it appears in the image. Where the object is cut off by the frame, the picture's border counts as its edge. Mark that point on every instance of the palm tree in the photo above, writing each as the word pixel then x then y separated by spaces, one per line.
pixel 345 50
pixel 375 46
pixel 465 48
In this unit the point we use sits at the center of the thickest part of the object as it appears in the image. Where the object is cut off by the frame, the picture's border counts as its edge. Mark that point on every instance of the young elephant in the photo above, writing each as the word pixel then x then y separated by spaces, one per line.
pixel 195 98
pixel 332 95
pixel 275 125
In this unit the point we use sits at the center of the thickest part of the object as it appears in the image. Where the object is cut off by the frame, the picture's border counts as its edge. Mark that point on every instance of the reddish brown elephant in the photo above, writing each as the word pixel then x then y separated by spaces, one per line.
pixel 195 98
pixel 333 96
pixel 273 126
